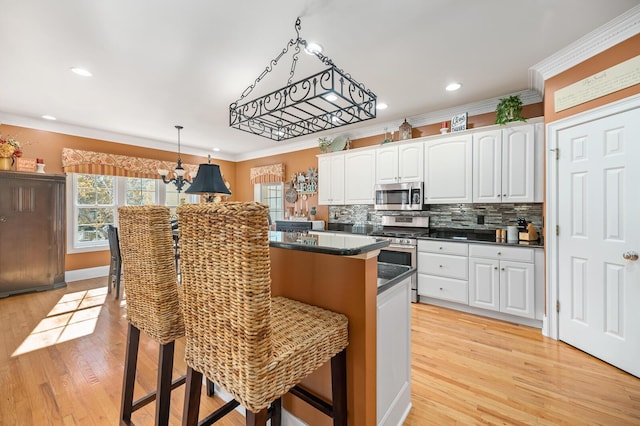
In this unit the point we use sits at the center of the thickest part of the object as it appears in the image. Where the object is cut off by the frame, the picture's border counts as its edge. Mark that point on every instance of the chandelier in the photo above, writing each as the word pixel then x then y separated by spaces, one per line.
pixel 179 179
pixel 326 100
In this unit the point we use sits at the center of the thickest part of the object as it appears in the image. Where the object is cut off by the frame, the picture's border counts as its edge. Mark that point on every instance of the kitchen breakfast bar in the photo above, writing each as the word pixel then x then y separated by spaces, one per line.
pixel 340 273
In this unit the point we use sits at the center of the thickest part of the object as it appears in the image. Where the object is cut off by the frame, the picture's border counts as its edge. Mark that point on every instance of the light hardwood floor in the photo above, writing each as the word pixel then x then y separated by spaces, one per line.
pixel 61 356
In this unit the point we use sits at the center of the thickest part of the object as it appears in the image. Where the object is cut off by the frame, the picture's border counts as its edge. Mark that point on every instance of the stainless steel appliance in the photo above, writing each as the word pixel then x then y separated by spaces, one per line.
pixel 399 196
pixel 402 233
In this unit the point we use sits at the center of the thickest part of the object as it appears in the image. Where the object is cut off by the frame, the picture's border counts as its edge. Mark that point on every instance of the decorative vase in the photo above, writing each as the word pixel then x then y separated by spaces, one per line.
pixel 6 163
pixel 39 168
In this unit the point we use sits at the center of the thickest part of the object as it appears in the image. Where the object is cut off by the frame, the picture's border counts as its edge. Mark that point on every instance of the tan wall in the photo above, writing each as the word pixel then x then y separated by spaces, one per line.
pixel 626 50
pixel 48 145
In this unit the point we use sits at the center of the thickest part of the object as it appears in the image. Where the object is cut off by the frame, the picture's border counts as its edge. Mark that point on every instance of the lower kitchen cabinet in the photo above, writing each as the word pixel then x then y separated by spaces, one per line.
pixel 394 354
pixel 443 270
pixel 497 280
pixel 502 285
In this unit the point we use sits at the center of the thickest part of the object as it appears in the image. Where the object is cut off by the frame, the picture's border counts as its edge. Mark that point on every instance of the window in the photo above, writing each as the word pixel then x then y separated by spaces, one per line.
pixel 93 202
pixel 94 207
pixel 140 191
pixel 271 194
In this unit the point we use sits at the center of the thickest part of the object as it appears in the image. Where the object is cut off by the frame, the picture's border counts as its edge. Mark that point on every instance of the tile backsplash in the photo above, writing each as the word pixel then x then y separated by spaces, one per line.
pixel 498 215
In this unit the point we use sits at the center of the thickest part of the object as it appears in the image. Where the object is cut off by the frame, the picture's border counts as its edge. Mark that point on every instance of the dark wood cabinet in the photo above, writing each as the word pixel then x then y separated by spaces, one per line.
pixel 32 232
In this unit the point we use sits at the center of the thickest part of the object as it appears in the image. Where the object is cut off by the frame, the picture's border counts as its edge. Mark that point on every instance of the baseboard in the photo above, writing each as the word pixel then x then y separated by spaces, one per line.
pixel 85 274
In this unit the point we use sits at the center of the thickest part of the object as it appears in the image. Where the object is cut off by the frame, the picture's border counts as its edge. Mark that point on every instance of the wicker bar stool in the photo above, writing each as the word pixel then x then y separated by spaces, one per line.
pixel 150 283
pixel 262 347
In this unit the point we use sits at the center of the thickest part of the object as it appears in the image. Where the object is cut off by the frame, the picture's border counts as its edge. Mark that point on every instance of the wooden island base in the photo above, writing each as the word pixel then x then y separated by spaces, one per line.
pixel 344 284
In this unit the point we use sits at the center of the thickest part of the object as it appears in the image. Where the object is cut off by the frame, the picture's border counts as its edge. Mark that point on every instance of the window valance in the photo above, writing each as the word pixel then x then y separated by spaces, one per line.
pixel 100 163
pixel 268 174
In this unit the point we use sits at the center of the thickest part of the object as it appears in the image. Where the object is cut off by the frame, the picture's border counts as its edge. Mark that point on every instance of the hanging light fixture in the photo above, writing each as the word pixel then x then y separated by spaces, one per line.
pixel 179 172
pixel 323 101
pixel 208 182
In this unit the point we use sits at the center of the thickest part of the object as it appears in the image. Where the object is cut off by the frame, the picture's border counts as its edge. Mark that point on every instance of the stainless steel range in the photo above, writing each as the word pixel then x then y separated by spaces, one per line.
pixel 402 233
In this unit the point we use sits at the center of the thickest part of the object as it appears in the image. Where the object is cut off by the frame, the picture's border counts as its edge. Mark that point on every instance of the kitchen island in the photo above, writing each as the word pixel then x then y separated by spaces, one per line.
pixel 339 273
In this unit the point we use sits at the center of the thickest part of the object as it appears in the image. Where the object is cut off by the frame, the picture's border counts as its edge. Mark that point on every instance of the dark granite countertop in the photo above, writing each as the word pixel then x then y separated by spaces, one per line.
pixel 486 236
pixel 340 245
pixel 390 274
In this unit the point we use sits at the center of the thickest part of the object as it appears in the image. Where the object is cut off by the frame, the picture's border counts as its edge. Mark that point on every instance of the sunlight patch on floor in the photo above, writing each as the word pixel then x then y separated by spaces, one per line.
pixel 75 315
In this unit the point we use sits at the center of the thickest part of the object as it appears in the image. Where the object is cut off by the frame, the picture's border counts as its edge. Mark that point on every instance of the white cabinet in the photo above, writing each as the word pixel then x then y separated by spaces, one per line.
pixel 393 359
pixel 397 163
pixel 443 270
pixel 331 179
pixel 504 165
pixel 448 170
pixel 502 279
pixel 359 170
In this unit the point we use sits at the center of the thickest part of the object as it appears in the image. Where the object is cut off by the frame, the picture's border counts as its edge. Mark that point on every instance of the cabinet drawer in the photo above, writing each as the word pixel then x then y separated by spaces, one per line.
pixel 501 252
pixel 443 288
pixel 443 265
pixel 443 247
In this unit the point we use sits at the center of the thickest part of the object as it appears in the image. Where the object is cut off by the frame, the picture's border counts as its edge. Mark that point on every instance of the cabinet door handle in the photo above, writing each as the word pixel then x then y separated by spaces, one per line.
pixel 504 195
pixel 440 288
pixel 441 266
pixel 499 253
pixel 495 267
pixel 440 248
pixel 502 269
pixel 3 219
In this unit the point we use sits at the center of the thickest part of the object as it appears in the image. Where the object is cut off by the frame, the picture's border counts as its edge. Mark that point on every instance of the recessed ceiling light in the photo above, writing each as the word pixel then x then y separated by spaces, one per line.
pixel 381 105
pixel 313 48
pixel 453 86
pixel 48 117
pixel 81 71
pixel 216 149
pixel 331 97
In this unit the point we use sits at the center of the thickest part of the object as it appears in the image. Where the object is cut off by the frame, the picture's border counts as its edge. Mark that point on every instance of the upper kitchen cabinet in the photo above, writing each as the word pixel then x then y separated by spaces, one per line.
pixel 331 179
pixel 506 165
pixel 397 163
pixel 359 173
pixel 448 177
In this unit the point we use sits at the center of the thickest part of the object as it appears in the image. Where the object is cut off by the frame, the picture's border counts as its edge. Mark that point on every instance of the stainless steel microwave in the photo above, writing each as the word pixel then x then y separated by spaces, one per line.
pixel 399 196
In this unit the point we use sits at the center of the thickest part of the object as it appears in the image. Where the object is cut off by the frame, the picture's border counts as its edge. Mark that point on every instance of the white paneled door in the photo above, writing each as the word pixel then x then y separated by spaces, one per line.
pixel 599 232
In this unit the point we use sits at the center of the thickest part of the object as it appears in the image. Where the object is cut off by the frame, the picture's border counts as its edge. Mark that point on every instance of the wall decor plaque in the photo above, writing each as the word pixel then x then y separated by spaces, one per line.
pixel 25 164
pixel 459 122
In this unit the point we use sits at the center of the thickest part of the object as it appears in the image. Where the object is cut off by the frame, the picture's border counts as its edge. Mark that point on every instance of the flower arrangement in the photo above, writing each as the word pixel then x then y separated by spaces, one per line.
pixel 10 147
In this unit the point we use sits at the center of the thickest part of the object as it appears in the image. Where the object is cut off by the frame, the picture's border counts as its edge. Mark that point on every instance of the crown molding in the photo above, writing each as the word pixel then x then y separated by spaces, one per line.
pixel 475 108
pixel 615 31
pixel 105 135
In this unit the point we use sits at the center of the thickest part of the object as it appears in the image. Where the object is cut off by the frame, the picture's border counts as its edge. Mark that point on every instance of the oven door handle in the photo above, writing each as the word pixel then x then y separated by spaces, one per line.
pixel 401 247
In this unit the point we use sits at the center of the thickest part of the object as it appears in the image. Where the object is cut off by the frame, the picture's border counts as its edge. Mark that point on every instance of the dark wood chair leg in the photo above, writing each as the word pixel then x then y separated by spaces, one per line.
pixel 110 281
pixel 163 396
pixel 211 389
pixel 117 279
pixel 339 388
pixel 130 366
pixel 191 408
pixel 275 412
pixel 257 419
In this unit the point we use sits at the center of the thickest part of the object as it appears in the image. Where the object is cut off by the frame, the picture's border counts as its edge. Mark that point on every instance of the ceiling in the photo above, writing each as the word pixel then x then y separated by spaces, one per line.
pixel 158 63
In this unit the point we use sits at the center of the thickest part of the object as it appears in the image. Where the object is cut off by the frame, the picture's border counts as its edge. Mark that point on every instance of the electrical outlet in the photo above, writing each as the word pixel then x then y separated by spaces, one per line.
pixel 480 219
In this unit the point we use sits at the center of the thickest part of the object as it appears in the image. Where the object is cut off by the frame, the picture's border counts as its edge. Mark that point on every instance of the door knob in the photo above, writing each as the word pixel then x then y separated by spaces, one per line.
pixel 3 219
pixel 630 255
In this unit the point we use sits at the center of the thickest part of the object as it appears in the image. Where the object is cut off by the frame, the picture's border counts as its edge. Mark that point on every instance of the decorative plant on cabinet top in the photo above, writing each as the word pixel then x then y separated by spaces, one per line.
pixel 509 109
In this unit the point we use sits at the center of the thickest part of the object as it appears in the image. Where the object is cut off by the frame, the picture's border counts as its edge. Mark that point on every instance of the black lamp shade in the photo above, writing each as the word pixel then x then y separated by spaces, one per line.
pixel 208 181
